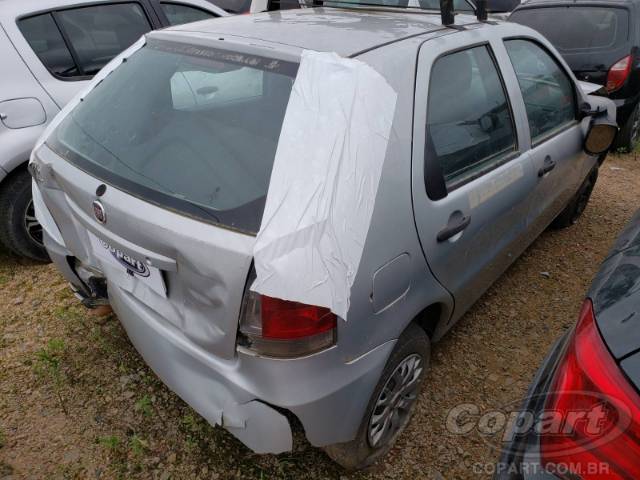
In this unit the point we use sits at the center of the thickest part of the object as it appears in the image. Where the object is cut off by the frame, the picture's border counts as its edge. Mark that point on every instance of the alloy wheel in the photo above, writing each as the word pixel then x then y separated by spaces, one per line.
pixel 393 405
pixel 32 226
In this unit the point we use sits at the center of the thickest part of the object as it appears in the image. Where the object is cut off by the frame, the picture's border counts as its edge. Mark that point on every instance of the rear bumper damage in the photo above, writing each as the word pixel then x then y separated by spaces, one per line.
pixel 326 392
pixel 198 382
pixel 239 394
pixel 260 427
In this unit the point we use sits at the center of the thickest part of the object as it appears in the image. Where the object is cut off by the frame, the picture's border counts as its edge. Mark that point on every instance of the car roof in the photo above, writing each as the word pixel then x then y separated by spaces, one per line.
pixel 346 31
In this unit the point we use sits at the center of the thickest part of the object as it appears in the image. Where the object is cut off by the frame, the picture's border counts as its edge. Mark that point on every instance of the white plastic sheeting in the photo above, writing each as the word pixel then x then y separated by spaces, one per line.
pixel 324 182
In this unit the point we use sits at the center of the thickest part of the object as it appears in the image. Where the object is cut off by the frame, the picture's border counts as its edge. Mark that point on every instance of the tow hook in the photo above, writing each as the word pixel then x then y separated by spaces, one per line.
pixel 91 301
pixel 93 292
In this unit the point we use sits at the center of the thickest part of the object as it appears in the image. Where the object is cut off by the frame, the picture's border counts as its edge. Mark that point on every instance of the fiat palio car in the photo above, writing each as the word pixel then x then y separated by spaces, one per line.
pixel 152 187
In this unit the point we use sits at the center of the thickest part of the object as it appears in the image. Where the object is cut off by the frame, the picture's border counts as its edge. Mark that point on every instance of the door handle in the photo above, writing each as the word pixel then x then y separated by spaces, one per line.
pixel 547 166
pixel 454 227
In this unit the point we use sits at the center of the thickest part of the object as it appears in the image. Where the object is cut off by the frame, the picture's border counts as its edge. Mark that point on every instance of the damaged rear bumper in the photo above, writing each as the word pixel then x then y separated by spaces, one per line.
pixel 189 374
pixel 326 392
pixel 199 381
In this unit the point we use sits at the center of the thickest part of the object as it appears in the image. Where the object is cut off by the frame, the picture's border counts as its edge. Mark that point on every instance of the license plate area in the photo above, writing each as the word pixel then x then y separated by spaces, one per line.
pixel 127 270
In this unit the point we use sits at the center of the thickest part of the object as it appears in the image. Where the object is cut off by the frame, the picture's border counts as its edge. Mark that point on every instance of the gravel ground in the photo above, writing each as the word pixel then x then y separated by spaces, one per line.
pixel 76 400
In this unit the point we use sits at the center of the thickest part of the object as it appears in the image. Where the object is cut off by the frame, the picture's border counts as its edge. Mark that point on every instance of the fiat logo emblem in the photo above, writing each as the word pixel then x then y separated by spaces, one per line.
pixel 98 212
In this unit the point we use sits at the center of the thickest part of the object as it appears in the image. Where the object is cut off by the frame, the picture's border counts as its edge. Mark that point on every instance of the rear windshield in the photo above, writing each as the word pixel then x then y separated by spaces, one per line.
pixel 189 128
pixel 578 28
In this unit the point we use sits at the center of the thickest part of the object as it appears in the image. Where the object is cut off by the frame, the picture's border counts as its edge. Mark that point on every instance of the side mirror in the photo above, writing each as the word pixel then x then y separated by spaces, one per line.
pixel 602 130
pixel 600 137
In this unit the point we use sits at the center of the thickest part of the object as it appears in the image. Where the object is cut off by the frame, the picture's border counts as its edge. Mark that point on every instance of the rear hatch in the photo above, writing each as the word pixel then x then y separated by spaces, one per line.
pixel 183 137
pixel 590 38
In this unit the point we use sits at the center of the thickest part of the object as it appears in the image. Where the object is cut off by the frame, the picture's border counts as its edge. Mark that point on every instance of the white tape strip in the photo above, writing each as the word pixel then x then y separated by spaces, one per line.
pixel 324 182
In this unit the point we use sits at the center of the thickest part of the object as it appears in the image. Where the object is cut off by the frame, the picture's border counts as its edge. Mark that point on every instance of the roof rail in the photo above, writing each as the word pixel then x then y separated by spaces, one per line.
pixel 446 12
pixel 481 10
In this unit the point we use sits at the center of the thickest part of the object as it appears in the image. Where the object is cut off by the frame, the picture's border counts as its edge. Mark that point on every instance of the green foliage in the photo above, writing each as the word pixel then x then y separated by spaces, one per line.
pixel 138 445
pixel 144 406
pixel 112 442
pixel 48 364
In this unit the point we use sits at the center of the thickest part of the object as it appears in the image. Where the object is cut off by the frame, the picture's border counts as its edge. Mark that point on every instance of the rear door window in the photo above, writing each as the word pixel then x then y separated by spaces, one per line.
pixel 100 32
pixel 469 121
pixel 45 39
pixel 178 13
pixel 547 90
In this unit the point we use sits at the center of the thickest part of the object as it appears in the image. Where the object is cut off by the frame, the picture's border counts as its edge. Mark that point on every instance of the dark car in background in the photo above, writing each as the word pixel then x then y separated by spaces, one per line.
pixel 236 7
pixel 501 6
pixel 600 41
pixel 581 419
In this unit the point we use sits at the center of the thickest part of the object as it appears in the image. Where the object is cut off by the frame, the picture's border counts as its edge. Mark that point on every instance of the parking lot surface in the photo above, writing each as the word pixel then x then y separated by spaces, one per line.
pixel 77 401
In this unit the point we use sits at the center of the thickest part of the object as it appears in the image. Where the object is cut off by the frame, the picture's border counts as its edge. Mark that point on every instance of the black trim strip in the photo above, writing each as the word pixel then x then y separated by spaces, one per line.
pixel 242 219
pixel 228 56
pixel 68 44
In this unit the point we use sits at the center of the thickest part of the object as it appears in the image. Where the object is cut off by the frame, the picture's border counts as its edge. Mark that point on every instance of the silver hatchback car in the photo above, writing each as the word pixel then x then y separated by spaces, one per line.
pixel 285 210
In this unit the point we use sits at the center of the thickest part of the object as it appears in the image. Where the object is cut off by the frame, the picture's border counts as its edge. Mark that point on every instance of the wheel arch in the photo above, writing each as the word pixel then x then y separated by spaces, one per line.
pixel 6 174
pixel 15 148
pixel 433 320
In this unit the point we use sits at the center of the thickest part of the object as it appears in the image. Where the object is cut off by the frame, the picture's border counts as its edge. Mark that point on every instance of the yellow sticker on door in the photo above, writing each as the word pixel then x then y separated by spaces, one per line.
pixel 491 187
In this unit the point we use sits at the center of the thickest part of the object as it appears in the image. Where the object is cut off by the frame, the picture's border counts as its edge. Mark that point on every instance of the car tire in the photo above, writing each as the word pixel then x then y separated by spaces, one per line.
pixel 573 211
pixel 19 230
pixel 629 135
pixel 407 364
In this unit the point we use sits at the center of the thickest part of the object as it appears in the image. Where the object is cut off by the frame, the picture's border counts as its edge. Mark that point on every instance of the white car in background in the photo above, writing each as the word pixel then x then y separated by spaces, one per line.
pixel 49 50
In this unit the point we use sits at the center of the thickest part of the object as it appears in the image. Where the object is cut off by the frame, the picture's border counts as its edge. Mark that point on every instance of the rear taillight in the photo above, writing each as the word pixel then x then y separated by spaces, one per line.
pixel 600 411
pixel 618 74
pixel 280 328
